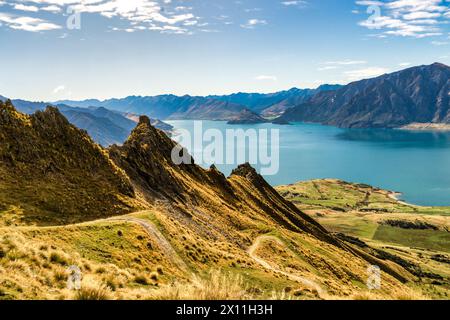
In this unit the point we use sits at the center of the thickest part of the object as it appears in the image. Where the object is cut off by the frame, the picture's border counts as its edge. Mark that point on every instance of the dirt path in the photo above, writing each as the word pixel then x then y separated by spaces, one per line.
pixel 153 231
pixel 307 282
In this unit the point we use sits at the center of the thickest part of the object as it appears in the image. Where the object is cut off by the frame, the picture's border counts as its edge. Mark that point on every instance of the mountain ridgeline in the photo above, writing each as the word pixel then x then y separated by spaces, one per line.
pixel 106 127
pixel 225 107
pixel 415 95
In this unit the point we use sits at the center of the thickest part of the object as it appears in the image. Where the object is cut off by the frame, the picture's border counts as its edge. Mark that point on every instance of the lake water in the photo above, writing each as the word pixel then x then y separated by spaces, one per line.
pixel 417 164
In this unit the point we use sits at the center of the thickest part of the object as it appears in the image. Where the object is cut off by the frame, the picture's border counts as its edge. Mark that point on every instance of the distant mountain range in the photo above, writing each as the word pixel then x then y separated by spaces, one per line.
pixel 105 127
pixel 411 96
pixel 415 95
pixel 273 103
pixel 299 97
pixel 225 107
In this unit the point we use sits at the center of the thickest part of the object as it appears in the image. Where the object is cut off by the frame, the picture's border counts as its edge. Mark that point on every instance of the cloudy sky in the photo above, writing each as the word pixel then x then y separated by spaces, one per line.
pixel 55 49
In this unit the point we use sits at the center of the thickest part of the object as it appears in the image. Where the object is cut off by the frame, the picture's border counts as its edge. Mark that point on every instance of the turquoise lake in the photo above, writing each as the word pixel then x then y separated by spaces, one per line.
pixel 416 164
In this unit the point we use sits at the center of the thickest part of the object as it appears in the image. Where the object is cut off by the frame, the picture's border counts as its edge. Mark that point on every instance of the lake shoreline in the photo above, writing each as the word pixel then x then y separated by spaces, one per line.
pixel 426 127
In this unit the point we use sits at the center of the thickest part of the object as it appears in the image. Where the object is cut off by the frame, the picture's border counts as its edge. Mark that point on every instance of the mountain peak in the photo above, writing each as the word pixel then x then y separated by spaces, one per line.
pixel 7 105
pixel 144 120
pixel 440 65
pixel 245 170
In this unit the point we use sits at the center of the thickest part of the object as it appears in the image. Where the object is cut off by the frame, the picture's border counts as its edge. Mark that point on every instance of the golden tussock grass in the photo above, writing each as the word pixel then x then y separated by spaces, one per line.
pixel 216 285
pixel 91 290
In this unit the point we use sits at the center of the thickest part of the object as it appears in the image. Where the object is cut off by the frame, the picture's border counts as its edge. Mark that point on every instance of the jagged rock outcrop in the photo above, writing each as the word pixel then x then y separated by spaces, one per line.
pixel 55 170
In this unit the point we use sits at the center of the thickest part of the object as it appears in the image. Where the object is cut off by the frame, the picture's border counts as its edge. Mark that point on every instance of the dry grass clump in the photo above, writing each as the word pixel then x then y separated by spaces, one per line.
pixel 58 258
pixel 141 279
pixel 364 296
pixel 215 286
pixel 282 295
pixel 405 295
pixel 411 295
pixel 93 291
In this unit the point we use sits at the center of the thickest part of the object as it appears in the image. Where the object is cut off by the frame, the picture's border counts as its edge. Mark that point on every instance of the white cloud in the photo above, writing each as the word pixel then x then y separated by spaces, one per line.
pixel 253 10
pixel 370 3
pixel 404 64
pixel 52 8
pixel 439 43
pixel 145 13
pixel 326 68
pixel 293 3
pixel 22 7
pixel 266 78
pixel 339 64
pixel 407 18
pixel 252 23
pixel 27 23
pixel 346 62
pixel 421 15
pixel 366 73
pixel 59 88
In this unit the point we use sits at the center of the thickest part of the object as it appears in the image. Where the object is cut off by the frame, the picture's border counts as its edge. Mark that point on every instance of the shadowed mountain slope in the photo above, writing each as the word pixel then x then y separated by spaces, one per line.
pixel 414 95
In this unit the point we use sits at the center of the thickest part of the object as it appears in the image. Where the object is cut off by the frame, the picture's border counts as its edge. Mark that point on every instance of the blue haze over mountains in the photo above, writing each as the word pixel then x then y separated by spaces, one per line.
pixel 213 107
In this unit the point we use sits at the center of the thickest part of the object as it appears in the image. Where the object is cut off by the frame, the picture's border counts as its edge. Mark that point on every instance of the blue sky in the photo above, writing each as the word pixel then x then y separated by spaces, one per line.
pixel 149 47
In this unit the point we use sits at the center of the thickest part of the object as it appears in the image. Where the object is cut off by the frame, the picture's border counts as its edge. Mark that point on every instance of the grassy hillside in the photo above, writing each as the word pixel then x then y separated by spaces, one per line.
pixel 364 214
pixel 121 260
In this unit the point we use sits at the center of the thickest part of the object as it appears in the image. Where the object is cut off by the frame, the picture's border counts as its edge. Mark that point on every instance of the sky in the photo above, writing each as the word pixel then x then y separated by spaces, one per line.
pixel 78 49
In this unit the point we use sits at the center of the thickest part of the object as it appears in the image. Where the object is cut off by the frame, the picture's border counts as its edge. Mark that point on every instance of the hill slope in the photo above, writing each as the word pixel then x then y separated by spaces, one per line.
pixel 414 95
